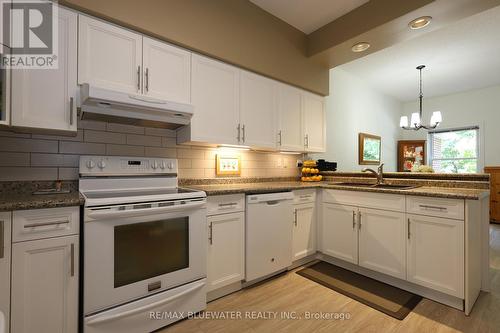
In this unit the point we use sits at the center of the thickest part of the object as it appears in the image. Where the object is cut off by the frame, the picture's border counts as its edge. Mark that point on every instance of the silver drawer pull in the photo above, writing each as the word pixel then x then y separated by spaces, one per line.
pixel 305 196
pixel 45 224
pixel 433 207
pixel 227 205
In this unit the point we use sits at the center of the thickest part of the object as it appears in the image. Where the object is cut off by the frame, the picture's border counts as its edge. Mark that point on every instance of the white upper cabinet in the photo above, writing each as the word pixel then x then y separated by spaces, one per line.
pixel 109 57
pixel 382 245
pixel 167 71
pixel 290 119
pixel 215 97
pixel 314 122
pixel 46 99
pixel 257 111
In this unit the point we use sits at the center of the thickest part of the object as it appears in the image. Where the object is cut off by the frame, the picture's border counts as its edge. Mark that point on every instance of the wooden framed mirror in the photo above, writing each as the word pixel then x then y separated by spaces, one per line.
pixel 370 148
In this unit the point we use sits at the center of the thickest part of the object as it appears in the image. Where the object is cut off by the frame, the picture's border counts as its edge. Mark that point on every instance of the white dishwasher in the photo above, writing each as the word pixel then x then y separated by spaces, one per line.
pixel 269 227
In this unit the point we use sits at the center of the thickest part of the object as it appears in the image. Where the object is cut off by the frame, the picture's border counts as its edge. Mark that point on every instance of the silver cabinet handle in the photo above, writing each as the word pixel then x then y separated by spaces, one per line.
pixel 147 79
pixel 210 239
pixel 228 204
pixel 71 111
pixel 139 78
pixel 353 219
pixel 359 220
pixel 239 133
pixel 295 217
pixel 409 222
pixel 72 265
pixel 306 141
pixel 243 131
pixel 433 207
pixel 2 240
pixel 45 224
pixel 279 136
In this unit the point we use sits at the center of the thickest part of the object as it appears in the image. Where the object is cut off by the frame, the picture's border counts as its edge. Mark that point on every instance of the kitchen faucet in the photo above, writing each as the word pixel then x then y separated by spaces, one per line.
pixel 379 173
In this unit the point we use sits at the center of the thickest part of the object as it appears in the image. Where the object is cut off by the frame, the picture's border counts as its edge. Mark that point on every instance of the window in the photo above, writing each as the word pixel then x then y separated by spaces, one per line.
pixel 455 151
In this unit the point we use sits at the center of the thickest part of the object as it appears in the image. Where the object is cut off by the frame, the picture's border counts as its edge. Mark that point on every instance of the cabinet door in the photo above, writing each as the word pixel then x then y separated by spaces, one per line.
pixel 258 110
pixel 382 241
pixel 45 286
pixel 226 250
pixel 46 99
pixel 436 254
pixel 304 231
pixel 215 97
pixel 109 57
pixel 290 136
pixel 314 122
pixel 5 241
pixel 340 232
pixel 167 71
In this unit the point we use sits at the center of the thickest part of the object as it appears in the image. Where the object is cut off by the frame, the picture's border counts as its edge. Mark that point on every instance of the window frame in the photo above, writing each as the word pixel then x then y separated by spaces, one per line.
pixel 457 129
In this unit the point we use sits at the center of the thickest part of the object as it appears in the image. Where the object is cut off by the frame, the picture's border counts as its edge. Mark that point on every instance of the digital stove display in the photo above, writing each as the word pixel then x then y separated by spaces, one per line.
pixel 134 162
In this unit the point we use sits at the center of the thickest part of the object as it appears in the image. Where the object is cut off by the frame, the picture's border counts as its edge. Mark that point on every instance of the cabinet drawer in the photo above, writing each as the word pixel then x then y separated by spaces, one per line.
pixel 438 207
pixel 221 204
pixel 394 202
pixel 44 223
pixel 304 196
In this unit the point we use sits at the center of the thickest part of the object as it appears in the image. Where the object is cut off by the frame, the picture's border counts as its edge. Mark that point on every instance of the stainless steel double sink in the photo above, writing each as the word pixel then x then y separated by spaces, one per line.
pixel 381 186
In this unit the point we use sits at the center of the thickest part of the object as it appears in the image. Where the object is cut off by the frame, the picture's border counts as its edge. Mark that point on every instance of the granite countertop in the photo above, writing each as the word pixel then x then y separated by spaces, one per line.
pixel 22 201
pixel 268 187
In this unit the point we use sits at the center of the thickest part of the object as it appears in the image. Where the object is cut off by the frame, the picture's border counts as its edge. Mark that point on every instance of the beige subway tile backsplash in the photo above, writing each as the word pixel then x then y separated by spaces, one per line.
pixel 25 156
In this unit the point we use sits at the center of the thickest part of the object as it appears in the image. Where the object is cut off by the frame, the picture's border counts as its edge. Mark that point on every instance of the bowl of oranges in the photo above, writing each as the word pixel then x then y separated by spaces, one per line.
pixel 309 172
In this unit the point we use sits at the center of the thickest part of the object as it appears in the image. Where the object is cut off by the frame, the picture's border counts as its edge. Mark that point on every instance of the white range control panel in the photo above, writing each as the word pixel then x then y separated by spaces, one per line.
pixel 121 165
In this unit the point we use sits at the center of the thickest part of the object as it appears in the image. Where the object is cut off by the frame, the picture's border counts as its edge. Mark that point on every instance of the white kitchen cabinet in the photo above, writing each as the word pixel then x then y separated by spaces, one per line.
pixel 3 41
pixel 226 250
pixel 258 111
pixel 314 122
pixel 304 230
pixel 45 286
pixel 5 258
pixel 215 97
pixel 435 253
pixel 339 235
pixel 109 56
pixel 290 129
pixel 46 99
pixel 382 241
pixel 167 71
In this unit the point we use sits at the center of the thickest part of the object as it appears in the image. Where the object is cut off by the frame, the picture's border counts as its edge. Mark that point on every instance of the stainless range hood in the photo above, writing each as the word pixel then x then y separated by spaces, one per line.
pixel 117 107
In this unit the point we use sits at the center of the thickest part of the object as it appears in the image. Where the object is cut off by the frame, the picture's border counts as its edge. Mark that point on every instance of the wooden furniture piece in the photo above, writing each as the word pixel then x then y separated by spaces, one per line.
pixel 411 152
pixel 494 172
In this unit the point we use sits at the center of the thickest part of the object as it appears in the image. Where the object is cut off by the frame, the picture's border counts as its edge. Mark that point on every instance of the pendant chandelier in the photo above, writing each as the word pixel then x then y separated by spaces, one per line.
pixel 416 117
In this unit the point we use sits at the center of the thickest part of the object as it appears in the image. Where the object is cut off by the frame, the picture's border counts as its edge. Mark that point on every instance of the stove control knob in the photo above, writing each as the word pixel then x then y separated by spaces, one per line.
pixel 101 164
pixel 162 165
pixel 90 164
pixel 170 165
pixel 154 165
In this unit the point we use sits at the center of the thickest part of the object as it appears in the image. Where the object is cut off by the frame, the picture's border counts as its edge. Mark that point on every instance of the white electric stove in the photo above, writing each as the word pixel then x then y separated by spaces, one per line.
pixel 145 243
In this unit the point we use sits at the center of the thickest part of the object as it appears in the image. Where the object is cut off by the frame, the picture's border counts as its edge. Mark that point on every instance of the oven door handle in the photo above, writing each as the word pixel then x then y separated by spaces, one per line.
pixel 103 214
pixel 100 318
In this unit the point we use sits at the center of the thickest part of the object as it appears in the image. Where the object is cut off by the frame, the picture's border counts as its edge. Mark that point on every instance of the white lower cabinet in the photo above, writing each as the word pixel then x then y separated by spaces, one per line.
pixel 382 245
pixel 45 286
pixel 339 236
pixel 5 232
pixel 436 253
pixel 226 250
pixel 304 224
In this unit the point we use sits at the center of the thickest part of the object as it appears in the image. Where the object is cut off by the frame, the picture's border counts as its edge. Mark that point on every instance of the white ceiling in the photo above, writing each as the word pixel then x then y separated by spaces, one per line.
pixel 308 15
pixel 459 57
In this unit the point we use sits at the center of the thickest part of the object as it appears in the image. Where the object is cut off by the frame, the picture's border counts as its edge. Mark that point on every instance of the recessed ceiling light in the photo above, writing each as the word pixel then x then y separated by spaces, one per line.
pixel 420 22
pixel 360 47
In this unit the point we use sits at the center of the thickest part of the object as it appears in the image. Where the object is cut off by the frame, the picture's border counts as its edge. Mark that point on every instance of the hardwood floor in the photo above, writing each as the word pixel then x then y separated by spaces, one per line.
pixel 291 292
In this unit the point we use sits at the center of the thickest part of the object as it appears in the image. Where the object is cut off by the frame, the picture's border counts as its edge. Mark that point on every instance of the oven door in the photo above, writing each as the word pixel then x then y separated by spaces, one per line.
pixel 135 250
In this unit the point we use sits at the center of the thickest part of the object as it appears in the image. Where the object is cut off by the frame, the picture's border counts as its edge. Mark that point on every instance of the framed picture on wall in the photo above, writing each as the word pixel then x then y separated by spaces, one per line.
pixel 228 165
pixel 369 150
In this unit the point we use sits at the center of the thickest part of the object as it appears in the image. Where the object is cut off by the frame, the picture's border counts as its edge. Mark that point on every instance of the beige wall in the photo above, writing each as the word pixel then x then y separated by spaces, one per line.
pixel 46 157
pixel 235 31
